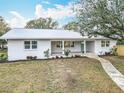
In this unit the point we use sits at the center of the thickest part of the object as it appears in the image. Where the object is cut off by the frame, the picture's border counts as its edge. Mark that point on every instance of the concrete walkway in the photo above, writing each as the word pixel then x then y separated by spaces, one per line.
pixel 114 74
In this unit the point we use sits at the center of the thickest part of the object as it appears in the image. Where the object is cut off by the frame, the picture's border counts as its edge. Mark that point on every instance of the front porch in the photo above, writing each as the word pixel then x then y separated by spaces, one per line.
pixel 75 47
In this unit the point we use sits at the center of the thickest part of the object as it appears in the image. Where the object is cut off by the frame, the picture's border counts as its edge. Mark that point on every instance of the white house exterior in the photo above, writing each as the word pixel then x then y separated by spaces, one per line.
pixel 33 42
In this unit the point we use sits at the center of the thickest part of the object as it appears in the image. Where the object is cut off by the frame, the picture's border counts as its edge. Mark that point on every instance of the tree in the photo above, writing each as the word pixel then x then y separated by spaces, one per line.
pixel 42 23
pixel 3 29
pixel 71 26
pixel 102 17
pixel 3 26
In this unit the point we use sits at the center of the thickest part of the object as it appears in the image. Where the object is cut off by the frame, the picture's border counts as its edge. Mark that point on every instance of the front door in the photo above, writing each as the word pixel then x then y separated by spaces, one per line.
pixel 82 47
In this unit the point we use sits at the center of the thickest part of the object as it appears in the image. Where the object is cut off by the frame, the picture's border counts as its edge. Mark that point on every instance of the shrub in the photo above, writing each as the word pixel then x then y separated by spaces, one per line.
pixel 57 57
pixel 107 53
pixel 28 57
pixel 67 52
pixel 31 57
pixel 47 53
pixel 114 51
pixel 61 56
pixel 35 57
pixel 3 57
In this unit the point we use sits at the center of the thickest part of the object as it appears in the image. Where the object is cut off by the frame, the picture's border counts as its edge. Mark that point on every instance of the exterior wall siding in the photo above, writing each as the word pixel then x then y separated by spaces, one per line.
pixel 90 46
pixel 16 49
pixel 76 48
pixel 55 49
pixel 101 50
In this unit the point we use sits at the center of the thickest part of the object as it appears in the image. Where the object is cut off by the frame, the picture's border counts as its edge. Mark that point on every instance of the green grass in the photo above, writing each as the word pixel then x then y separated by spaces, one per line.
pixel 79 75
pixel 117 61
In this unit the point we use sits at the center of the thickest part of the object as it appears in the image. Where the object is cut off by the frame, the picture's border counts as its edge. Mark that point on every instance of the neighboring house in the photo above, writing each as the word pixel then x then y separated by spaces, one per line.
pixel 23 43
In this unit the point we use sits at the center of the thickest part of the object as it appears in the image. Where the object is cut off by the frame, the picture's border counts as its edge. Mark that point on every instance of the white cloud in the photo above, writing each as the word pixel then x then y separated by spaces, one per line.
pixel 17 21
pixel 58 12
pixel 45 2
pixel 39 11
pixel 16 14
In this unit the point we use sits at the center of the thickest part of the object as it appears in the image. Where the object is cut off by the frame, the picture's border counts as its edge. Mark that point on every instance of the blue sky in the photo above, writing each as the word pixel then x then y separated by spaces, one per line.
pixel 18 12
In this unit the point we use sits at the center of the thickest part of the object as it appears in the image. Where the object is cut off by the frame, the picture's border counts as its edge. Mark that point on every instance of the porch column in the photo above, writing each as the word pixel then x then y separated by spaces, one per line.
pixel 63 47
pixel 84 46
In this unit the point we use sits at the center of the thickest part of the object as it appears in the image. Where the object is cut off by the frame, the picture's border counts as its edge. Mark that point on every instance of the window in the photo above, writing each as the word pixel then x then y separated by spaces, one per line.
pixel 66 44
pixel 72 44
pixel 27 44
pixel 58 44
pixel 30 45
pixel 105 43
pixel 102 43
pixel 69 44
pixel 34 44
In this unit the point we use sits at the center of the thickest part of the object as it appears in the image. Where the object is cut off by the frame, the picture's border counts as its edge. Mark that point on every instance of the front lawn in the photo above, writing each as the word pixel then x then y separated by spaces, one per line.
pixel 3 51
pixel 77 75
pixel 3 55
pixel 117 61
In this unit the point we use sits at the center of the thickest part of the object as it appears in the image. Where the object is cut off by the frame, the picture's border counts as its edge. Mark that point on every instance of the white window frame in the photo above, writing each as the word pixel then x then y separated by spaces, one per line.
pixel 27 45
pixel 69 44
pixel 106 43
pixel 31 44
pixel 58 44
pixel 103 43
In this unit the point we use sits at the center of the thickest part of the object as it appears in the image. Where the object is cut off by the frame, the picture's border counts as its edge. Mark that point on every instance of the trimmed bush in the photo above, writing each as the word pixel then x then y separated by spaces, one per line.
pixel 47 53
pixel 57 57
pixel 31 57
pixel 67 52
pixel 114 51
pixel 3 57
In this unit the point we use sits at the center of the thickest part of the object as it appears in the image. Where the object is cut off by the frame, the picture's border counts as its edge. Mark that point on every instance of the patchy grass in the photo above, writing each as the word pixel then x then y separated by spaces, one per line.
pixel 3 52
pixel 79 75
pixel 117 61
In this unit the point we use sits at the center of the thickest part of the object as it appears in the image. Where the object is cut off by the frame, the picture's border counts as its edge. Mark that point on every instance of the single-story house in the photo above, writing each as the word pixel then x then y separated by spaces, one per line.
pixel 33 42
